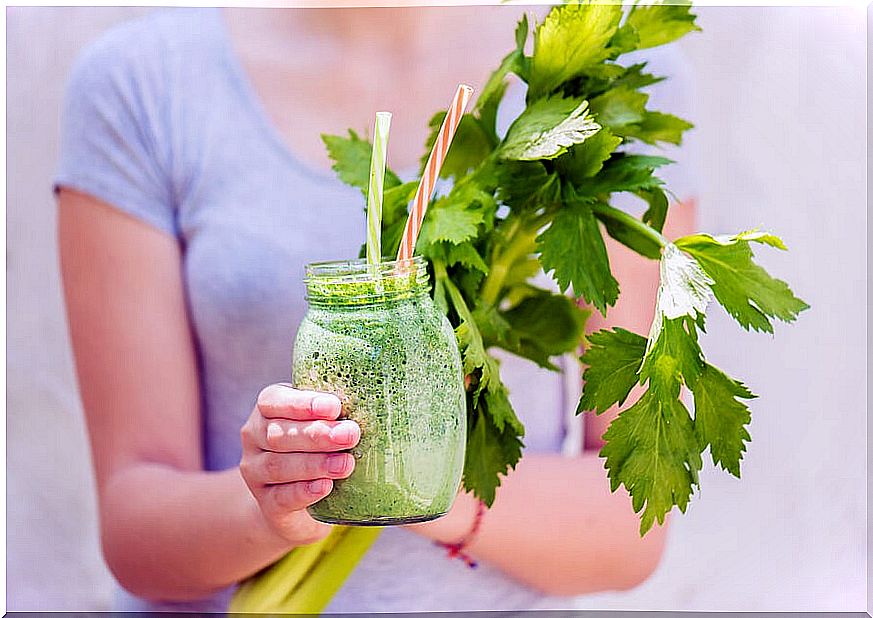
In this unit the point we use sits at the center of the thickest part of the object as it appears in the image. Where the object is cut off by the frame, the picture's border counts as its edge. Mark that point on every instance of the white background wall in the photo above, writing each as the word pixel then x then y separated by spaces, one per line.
pixel 779 104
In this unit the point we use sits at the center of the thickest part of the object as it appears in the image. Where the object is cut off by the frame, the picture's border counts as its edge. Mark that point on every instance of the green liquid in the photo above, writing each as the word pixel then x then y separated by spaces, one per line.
pixel 396 368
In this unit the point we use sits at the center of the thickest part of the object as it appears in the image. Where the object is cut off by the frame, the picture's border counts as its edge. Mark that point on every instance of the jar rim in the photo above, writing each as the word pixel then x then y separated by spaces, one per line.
pixel 360 268
pixel 357 282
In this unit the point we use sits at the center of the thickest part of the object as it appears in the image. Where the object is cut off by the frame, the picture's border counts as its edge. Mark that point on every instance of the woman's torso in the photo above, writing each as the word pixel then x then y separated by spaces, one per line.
pixel 249 216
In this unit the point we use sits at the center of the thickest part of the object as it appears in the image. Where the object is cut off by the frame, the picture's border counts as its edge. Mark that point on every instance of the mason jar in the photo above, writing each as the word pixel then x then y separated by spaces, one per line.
pixel 373 337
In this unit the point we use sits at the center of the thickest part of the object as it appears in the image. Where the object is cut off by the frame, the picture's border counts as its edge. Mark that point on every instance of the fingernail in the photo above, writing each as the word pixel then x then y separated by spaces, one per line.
pixel 342 434
pixel 336 464
pixel 325 405
pixel 318 486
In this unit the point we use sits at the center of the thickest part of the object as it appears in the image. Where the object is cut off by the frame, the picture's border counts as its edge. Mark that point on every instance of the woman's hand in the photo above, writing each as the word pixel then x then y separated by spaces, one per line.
pixel 291 447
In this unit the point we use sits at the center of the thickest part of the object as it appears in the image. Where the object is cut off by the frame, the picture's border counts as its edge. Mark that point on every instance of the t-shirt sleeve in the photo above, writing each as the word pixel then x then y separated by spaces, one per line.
pixel 111 144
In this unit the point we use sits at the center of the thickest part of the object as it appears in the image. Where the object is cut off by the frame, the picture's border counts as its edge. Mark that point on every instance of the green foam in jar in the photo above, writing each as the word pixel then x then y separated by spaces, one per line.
pixel 373 336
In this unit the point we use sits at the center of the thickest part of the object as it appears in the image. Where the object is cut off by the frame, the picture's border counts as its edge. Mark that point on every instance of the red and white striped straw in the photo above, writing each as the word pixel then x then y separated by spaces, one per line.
pixel 432 171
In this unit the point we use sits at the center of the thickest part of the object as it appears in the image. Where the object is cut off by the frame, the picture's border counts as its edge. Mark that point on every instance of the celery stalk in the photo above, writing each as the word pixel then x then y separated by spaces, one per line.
pixel 306 579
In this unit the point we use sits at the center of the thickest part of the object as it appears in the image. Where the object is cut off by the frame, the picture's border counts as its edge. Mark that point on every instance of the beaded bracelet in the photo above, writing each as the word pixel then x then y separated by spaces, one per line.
pixel 456 550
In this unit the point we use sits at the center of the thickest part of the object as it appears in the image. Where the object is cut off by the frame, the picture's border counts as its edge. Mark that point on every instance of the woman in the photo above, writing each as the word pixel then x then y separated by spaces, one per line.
pixel 192 189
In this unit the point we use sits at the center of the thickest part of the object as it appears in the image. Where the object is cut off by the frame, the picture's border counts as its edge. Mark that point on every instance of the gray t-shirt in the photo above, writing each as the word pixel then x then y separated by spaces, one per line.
pixel 161 122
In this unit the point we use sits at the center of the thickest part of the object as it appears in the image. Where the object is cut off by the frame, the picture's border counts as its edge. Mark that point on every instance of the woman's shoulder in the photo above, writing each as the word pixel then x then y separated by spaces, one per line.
pixel 120 121
pixel 145 49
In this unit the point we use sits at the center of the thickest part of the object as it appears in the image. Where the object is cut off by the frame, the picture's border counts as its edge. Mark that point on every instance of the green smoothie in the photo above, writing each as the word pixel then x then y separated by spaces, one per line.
pixel 381 345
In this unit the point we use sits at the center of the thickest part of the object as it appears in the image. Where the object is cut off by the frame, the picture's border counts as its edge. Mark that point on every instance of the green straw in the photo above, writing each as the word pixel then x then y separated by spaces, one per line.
pixel 374 195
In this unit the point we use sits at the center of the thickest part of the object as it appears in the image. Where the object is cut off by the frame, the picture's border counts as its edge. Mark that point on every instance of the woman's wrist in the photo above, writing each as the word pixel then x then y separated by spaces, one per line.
pixel 258 530
pixel 454 526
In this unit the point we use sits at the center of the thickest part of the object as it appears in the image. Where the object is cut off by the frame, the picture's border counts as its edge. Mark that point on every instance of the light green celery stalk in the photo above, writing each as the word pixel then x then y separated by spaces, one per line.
pixel 306 579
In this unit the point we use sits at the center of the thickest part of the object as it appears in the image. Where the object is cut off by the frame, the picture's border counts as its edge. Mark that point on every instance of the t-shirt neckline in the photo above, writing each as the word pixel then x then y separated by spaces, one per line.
pixel 256 106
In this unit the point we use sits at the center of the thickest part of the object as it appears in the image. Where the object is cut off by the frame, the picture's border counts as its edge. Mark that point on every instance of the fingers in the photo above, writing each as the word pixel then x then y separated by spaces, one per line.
pixel 281 499
pixel 290 450
pixel 283 436
pixel 283 401
pixel 278 468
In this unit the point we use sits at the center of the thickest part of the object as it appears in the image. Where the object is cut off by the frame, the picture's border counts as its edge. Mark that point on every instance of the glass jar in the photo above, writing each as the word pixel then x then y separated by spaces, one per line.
pixel 374 337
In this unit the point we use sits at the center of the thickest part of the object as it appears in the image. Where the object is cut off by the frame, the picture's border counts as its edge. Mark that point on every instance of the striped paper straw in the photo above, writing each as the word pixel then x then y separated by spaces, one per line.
pixel 377 181
pixel 432 171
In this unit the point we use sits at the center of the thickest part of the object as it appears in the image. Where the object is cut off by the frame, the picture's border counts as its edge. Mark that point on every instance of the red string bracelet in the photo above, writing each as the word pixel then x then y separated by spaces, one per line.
pixel 456 550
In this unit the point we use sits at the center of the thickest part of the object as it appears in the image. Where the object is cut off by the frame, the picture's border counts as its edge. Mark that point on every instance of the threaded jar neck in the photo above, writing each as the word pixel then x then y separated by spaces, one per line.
pixel 353 283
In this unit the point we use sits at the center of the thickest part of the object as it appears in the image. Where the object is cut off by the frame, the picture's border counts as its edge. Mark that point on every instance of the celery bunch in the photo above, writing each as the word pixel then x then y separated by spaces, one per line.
pixel 539 198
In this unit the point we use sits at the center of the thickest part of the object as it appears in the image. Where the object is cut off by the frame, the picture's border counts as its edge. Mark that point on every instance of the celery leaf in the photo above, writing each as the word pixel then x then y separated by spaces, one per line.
pixel 657 24
pixel 656 127
pixel 351 156
pixel 494 89
pixel 746 291
pixel 613 362
pixel 572 247
pixel 491 452
pixel 547 128
pixel 470 146
pixel 571 39
pixel 450 221
pixel 619 107
pixel 652 450
pixel 720 419
pixel 544 326
pixel 586 159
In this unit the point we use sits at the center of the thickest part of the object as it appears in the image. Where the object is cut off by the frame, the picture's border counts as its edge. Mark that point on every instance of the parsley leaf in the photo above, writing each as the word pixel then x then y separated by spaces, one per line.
pixel 395 201
pixel 494 328
pixel 609 77
pixel 572 247
pixel 497 402
pixel 743 288
pixel 472 348
pixel 547 128
pixel 494 432
pixel 626 39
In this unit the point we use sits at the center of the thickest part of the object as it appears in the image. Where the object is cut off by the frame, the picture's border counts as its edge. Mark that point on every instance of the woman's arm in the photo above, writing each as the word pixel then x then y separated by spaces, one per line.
pixel 169 530
pixel 555 525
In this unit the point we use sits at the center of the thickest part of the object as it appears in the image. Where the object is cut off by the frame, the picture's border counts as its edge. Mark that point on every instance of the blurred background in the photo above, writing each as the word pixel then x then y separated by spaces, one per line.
pixel 778 99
